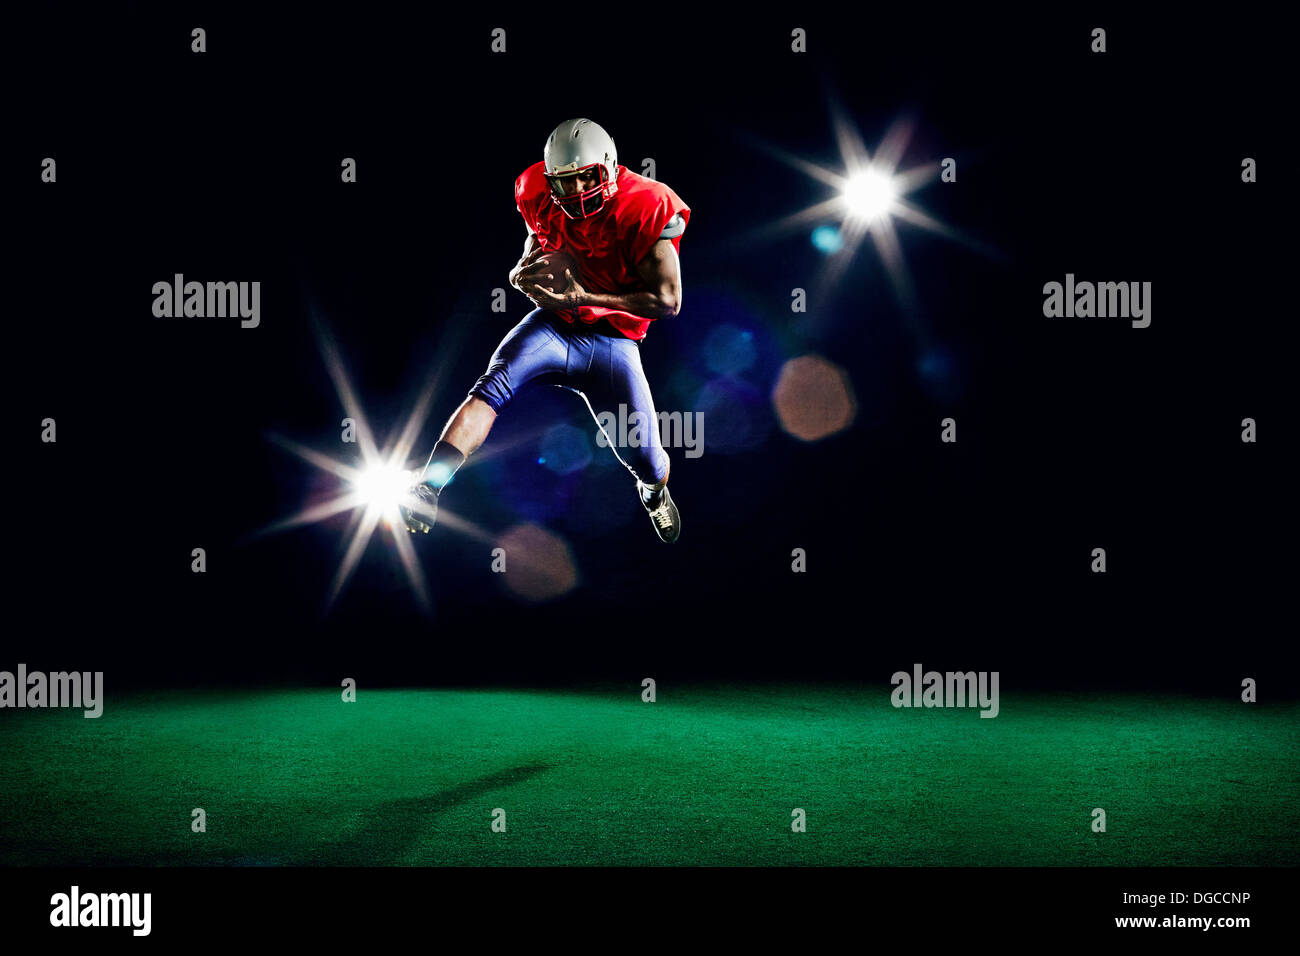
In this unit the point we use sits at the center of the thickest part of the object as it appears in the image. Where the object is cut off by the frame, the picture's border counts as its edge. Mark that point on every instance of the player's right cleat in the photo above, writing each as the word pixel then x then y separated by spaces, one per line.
pixel 423 511
pixel 663 513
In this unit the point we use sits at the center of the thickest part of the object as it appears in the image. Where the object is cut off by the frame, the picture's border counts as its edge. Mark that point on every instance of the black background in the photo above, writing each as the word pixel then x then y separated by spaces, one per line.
pixel 1072 434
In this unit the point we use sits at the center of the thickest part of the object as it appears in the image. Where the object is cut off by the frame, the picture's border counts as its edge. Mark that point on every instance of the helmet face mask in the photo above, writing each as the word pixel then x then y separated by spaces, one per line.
pixel 580 203
pixel 579 147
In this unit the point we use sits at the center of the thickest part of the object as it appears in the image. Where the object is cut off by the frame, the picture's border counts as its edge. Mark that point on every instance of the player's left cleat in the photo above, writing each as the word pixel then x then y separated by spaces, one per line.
pixel 424 510
pixel 663 513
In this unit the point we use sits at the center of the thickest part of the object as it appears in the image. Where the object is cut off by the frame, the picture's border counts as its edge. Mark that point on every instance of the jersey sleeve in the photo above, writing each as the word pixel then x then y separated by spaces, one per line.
pixel 523 203
pixel 653 212
pixel 531 191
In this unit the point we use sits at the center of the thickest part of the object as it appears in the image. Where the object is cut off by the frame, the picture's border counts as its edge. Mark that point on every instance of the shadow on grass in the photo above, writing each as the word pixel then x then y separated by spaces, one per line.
pixel 392 827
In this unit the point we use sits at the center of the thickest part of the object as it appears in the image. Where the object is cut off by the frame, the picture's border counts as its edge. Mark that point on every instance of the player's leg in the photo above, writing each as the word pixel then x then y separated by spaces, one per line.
pixel 464 432
pixel 532 348
pixel 616 379
pixel 469 425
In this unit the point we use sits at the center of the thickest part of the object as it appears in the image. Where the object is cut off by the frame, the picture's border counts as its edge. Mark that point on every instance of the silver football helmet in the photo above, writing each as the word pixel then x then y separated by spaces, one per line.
pixel 575 146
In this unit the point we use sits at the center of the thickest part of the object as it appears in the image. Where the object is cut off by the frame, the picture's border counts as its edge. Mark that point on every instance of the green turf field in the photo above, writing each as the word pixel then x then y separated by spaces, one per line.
pixel 706 775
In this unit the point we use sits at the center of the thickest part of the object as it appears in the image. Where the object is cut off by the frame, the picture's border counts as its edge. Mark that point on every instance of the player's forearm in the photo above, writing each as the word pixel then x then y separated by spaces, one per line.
pixel 647 304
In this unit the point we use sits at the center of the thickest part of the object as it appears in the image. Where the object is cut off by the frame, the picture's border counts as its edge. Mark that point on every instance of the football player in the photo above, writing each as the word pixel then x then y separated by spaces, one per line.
pixel 622 231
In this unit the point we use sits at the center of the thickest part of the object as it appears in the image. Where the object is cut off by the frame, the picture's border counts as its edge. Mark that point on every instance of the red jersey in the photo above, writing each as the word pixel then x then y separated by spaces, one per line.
pixel 607 245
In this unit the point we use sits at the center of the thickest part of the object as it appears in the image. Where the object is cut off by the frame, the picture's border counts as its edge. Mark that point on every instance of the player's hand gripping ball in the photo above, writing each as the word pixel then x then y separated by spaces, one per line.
pixel 557 267
pixel 547 272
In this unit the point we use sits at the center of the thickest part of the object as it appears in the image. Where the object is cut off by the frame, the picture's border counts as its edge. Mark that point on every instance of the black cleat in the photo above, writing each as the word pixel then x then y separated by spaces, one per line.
pixel 663 514
pixel 423 508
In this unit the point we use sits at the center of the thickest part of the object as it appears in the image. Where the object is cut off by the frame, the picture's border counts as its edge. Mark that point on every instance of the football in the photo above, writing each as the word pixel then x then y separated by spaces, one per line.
pixel 556 262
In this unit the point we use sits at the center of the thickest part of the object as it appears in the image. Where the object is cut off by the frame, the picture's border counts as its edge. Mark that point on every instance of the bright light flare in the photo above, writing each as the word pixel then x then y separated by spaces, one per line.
pixel 870 195
pixel 381 486
pixel 376 487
